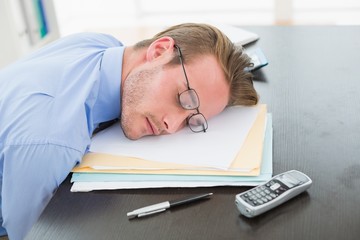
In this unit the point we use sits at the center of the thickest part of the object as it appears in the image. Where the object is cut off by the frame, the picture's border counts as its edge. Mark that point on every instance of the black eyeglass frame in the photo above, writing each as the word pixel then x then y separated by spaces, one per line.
pixel 204 124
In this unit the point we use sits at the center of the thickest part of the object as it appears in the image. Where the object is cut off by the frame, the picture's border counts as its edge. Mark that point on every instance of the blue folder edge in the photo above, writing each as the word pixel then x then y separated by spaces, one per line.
pixel 265 172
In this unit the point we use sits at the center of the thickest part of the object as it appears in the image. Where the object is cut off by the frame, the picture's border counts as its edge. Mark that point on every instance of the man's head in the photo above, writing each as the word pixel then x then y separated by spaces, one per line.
pixel 187 56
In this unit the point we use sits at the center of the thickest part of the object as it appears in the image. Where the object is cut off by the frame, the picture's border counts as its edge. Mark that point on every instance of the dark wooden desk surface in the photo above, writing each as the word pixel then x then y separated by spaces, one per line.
pixel 312 88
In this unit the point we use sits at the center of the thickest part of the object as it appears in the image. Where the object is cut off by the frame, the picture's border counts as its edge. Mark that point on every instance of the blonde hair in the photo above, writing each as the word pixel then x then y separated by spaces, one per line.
pixel 196 40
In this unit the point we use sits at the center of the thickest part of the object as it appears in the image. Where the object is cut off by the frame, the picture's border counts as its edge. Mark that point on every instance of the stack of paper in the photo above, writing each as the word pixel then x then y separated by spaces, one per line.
pixel 236 151
pixel 237 35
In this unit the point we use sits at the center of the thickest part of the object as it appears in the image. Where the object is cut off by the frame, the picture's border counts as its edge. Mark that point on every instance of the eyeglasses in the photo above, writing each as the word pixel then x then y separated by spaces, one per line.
pixel 189 100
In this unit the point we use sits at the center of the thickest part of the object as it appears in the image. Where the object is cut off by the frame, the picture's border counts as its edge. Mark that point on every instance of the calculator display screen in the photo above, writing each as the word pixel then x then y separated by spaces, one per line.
pixel 288 180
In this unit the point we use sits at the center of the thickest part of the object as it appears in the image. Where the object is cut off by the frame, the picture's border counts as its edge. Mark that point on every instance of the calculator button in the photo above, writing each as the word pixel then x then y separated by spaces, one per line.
pixel 275 186
pixel 253 197
pixel 258 195
pixel 267 191
pixel 264 200
pixel 268 197
pixel 244 198
pixel 273 195
pixel 259 201
pixel 262 193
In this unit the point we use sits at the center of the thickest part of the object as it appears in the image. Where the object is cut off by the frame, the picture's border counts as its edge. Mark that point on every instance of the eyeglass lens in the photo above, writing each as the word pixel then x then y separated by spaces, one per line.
pixel 197 123
pixel 189 99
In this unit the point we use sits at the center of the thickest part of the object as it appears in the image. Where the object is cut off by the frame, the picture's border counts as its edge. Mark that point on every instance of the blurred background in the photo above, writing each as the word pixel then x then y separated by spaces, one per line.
pixel 29 24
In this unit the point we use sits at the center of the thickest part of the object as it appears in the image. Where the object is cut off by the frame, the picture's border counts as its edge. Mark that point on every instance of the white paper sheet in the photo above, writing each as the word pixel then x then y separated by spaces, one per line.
pixel 237 35
pixel 160 181
pixel 93 186
pixel 216 148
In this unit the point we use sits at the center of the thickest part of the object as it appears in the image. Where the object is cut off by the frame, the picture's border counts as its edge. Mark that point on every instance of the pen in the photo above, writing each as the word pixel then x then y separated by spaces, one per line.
pixel 160 207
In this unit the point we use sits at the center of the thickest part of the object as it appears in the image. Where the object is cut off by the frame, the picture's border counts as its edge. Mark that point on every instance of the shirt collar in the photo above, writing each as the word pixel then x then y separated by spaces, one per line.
pixel 108 105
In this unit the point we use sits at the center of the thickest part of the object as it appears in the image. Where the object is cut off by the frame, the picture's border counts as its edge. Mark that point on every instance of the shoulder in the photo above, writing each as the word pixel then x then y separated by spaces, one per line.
pixel 74 46
pixel 91 39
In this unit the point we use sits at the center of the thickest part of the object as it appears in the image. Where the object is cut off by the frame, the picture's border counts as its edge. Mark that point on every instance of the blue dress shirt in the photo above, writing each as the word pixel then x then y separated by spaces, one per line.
pixel 50 103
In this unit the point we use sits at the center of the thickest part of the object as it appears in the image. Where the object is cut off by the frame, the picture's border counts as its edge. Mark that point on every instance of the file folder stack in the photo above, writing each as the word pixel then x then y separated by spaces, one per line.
pixel 236 151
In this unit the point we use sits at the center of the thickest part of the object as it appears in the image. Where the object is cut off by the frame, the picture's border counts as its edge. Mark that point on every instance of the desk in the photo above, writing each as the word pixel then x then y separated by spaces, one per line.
pixel 312 88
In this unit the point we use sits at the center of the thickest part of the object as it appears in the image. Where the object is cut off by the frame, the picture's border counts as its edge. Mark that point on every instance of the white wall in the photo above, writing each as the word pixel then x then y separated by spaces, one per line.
pixel 131 20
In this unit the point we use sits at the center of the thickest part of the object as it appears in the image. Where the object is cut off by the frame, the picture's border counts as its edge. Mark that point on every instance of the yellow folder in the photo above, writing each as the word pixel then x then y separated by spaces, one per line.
pixel 246 163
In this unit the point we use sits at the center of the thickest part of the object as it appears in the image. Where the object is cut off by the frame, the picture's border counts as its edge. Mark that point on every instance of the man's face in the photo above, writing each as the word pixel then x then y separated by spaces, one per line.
pixel 150 103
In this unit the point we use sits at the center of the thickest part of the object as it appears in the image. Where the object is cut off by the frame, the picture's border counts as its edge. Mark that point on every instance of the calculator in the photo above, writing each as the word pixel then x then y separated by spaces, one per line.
pixel 257 57
pixel 276 191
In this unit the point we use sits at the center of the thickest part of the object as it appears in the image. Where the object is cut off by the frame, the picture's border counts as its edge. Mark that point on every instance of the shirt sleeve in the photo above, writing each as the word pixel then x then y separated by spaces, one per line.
pixel 31 175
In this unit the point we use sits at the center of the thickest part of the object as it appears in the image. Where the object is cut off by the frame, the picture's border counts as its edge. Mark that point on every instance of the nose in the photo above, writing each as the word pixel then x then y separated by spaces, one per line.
pixel 176 121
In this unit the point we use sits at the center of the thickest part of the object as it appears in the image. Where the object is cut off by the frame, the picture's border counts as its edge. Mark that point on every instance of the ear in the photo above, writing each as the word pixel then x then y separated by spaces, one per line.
pixel 162 47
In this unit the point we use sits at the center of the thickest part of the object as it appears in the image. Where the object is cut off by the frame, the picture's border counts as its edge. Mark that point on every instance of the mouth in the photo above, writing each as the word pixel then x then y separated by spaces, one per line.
pixel 153 130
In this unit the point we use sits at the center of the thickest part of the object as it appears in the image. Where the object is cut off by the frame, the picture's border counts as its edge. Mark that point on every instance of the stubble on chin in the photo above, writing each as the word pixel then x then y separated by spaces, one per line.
pixel 127 131
pixel 135 89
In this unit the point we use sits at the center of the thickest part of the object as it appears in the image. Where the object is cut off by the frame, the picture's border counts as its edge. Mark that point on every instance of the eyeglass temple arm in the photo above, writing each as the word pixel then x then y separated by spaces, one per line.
pixel 182 64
